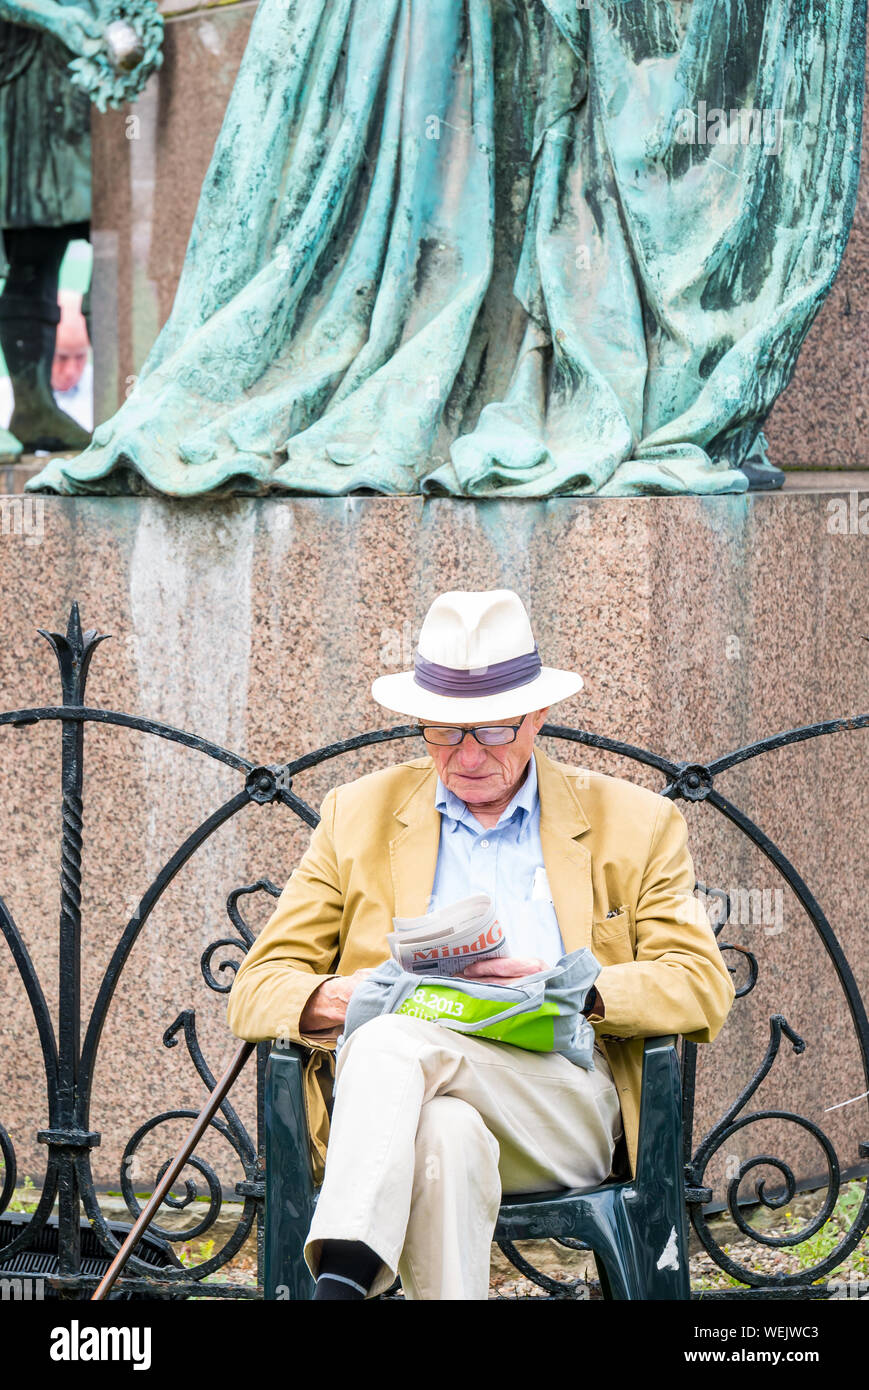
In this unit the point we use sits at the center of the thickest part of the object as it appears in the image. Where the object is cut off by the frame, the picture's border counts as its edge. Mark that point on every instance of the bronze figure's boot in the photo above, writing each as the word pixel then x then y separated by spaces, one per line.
pixel 762 475
pixel 27 334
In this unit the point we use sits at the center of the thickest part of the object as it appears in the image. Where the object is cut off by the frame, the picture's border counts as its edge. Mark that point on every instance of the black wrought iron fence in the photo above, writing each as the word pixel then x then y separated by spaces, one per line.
pixel 69 1262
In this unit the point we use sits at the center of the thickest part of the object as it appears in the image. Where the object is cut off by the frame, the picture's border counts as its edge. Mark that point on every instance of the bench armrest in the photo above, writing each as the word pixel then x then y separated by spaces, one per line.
pixel 659 1145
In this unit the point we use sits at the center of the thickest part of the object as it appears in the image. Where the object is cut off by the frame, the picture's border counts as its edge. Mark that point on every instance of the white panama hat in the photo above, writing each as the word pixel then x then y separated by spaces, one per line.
pixel 476 660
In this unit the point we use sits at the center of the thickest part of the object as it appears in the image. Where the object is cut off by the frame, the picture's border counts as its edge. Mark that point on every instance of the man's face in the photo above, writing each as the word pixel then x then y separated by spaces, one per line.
pixel 70 352
pixel 478 775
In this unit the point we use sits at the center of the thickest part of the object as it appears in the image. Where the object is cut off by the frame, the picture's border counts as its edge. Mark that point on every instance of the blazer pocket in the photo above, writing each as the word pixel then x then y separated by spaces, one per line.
pixel 612 939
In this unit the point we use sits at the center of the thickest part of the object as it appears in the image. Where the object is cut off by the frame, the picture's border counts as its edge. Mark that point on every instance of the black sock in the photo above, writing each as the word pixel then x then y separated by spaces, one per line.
pixel 335 1287
pixel 347 1270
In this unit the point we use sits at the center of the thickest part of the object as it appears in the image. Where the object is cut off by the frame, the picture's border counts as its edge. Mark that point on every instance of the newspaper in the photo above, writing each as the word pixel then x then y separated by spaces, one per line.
pixel 446 941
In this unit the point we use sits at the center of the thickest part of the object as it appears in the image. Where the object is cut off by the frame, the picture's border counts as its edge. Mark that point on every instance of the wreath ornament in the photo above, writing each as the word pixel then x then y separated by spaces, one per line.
pixel 131 50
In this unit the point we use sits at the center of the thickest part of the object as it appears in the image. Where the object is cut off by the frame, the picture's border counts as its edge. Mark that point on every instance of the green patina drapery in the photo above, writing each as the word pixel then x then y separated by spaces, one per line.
pixel 45 138
pixel 500 247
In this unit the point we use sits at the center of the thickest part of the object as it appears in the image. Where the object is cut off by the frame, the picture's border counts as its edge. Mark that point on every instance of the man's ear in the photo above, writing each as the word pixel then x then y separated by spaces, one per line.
pixel 540 718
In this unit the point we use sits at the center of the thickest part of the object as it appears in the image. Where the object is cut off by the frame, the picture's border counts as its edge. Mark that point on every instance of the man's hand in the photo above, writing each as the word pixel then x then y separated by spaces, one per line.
pixel 504 970
pixel 326 1008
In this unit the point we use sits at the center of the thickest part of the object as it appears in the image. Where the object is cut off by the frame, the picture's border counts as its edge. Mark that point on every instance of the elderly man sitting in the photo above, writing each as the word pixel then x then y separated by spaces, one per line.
pixel 430 1126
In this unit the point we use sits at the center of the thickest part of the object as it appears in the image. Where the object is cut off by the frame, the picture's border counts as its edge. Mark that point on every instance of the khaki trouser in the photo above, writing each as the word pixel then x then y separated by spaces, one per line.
pixel 429 1128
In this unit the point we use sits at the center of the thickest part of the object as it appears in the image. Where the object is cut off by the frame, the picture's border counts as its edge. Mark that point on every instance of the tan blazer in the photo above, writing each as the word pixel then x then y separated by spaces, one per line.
pixel 607 845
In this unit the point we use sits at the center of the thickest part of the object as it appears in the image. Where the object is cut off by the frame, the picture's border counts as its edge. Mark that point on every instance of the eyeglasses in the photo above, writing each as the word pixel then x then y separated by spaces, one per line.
pixel 489 735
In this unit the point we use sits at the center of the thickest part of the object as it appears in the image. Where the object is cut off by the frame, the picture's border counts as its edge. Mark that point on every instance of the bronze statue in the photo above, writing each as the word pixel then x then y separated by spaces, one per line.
pixel 501 248
pixel 55 58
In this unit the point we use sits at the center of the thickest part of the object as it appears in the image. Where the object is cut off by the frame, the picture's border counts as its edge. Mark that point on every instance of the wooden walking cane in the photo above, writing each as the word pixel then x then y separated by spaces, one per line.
pixel 146 1215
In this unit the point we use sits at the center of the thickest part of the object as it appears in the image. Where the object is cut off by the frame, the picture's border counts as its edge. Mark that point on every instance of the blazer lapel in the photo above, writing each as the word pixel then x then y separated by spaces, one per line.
pixel 413 853
pixel 567 861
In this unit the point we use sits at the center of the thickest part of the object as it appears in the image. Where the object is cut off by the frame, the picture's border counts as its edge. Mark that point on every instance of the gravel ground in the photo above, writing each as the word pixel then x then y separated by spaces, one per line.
pixel 566 1266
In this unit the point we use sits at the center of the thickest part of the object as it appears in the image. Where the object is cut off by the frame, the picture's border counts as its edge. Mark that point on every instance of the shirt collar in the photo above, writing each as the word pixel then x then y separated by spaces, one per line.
pixel 524 802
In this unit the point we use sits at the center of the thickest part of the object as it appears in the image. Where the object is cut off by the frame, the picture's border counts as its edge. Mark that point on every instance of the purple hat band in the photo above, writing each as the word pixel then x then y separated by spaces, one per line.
pixel 483 680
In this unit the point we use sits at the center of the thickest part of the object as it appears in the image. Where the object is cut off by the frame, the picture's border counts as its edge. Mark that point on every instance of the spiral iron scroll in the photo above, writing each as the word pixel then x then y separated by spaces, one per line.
pixel 230 1128
pixel 732 1122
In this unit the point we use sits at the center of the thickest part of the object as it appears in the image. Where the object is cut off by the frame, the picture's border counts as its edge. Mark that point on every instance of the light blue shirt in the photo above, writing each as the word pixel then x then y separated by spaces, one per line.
pixel 506 862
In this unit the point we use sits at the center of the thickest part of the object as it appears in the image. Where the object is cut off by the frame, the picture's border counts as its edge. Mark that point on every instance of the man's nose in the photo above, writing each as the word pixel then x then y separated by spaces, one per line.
pixel 469 753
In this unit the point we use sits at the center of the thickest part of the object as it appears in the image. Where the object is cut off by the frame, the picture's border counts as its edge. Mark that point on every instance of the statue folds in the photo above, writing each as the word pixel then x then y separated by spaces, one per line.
pixel 501 248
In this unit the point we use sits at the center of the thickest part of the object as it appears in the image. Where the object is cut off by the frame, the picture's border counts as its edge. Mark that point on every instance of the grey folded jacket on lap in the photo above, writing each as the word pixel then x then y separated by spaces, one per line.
pixel 541 1014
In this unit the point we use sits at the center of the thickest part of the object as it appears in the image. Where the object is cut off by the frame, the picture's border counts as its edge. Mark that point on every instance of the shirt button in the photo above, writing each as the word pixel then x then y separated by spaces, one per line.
pixel 485 844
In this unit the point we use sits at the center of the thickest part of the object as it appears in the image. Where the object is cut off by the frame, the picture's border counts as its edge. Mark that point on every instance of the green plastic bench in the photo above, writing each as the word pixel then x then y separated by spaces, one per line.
pixel 636 1227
